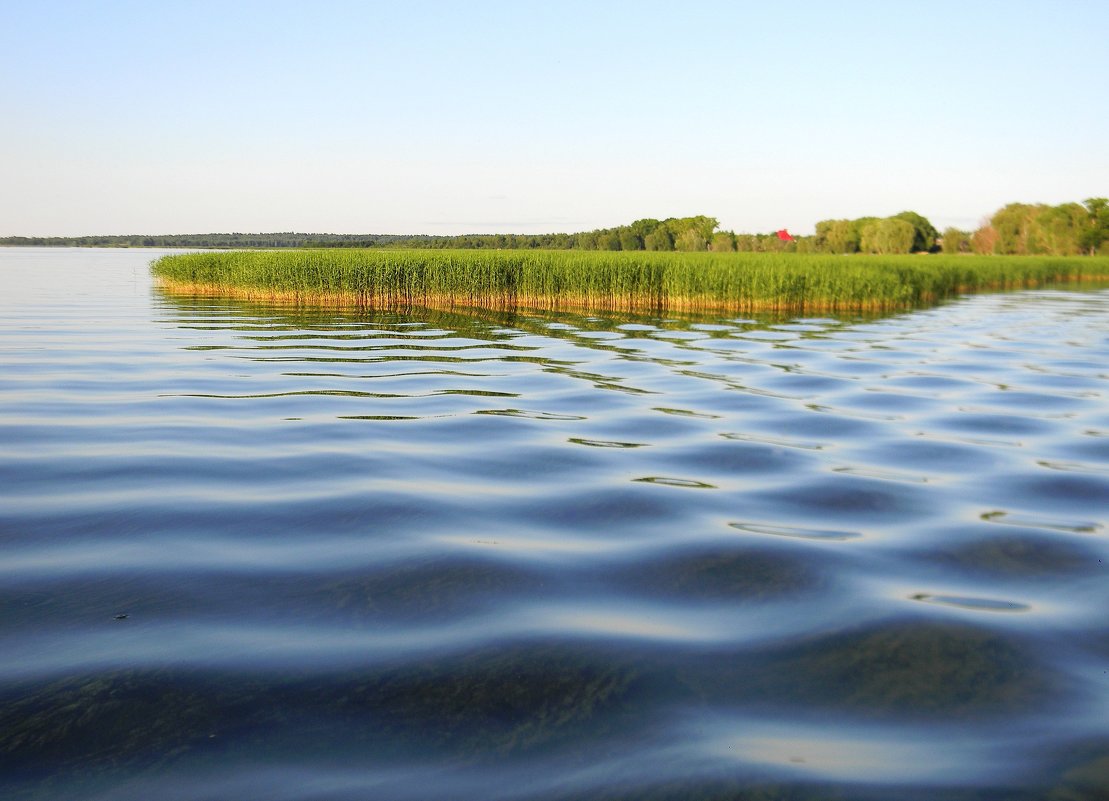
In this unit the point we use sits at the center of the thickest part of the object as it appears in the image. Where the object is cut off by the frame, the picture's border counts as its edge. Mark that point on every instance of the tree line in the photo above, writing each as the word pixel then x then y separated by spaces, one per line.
pixel 284 239
pixel 907 232
pixel 1017 229
pixel 1021 229
pixel 684 233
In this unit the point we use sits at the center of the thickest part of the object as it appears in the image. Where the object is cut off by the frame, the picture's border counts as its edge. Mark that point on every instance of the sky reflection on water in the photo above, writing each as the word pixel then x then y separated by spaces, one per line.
pixel 545 555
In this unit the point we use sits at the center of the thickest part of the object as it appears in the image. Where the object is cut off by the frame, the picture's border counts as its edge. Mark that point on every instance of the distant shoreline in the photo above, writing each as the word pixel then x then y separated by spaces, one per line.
pixel 1018 229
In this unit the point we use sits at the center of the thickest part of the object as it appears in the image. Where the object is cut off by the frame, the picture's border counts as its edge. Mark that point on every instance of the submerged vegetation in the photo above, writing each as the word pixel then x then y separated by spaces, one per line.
pixel 606 280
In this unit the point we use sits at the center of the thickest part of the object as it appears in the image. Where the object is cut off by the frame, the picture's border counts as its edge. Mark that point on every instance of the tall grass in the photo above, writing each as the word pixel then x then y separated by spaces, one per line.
pixel 608 280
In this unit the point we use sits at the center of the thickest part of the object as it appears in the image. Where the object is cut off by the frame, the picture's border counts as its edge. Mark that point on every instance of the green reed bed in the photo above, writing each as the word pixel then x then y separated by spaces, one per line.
pixel 609 280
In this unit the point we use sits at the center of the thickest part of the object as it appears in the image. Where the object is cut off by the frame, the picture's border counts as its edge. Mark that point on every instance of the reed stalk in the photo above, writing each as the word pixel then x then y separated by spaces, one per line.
pixel 602 280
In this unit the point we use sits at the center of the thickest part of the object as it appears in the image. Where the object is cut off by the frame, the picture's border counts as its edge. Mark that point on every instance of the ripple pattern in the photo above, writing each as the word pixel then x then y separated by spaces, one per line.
pixel 263 552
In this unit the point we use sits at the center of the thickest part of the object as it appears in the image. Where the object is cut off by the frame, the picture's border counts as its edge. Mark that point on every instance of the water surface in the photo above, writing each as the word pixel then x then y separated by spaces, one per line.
pixel 255 552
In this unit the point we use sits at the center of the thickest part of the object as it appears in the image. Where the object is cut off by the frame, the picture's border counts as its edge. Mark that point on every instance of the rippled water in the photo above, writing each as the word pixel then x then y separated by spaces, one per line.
pixel 252 552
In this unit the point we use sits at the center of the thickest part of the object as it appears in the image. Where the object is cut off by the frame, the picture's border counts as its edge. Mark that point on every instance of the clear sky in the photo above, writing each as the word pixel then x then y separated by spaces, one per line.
pixel 413 116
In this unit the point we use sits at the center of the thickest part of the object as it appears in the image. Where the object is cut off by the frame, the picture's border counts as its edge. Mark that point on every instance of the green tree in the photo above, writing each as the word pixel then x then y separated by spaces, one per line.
pixel 805 244
pixel 887 236
pixel 861 223
pixel 643 227
pixel 1058 229
pixel 659 239
pixel 691 239
pixel 956 241
pixel 746 243
pixel 723 242
pixel 629 240
pixel 1015 229
pixel 586 241
pixel 703 226
pixel 924 233
pixel 837 236
pixel 1096 232
pixel 608 240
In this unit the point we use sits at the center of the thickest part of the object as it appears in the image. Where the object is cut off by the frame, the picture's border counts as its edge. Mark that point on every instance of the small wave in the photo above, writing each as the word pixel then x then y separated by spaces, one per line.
pixel 676 482
pixel 798 533
pixel 975 604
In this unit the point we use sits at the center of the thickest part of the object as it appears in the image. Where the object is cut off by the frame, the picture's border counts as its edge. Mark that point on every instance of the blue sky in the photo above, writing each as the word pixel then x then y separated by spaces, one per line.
pixel 454 117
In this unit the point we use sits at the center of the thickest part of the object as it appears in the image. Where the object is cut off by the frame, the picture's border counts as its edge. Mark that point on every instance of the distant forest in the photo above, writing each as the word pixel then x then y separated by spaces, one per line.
pixel 1017 229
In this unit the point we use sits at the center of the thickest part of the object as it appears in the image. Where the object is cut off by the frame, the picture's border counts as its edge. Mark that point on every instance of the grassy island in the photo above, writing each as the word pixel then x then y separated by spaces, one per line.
pixel 621 280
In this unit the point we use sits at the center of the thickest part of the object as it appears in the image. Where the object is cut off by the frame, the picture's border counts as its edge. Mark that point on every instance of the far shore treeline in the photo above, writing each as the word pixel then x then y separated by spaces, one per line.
pixel 1068 229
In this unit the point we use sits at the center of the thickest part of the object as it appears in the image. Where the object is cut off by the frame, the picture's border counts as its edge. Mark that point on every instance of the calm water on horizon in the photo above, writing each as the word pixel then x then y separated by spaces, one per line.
pixel 262 553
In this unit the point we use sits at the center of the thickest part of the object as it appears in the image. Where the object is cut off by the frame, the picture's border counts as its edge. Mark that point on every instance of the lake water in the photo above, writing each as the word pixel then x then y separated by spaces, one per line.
pixel 252 552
